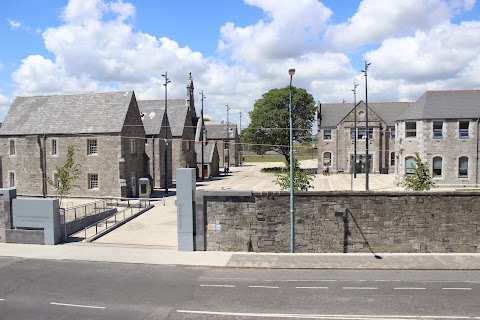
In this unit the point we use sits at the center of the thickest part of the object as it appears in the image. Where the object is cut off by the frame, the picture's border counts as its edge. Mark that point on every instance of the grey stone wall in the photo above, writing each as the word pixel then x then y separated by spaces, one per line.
pixel 344 222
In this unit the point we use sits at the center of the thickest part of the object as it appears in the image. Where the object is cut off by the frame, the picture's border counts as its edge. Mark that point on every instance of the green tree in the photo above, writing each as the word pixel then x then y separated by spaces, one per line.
pixel 301 178
pixel 269 121
pixel 66 176
pixel 421 179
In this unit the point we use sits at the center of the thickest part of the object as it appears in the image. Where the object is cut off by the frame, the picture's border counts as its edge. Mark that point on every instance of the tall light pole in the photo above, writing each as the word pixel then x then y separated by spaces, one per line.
pixel 167 81
pixel 367 162
pixel 355 85
pixel 228 141
pixel 241 146
pixel 202 129
pixel 291 72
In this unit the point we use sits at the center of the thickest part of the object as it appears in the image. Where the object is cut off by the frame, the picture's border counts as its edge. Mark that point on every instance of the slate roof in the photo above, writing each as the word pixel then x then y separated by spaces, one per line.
pixel 208 150
pixel 333 113
pixel 177 110
pixel 448 104
pixel 218 131
pixel 68 114
pixel 152 115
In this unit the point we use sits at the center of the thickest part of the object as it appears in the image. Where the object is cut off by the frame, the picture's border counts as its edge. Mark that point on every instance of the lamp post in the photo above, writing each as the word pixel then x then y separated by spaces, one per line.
pixel 167 81
pixel 291 72
pixel 355 85
pixel 241 146
pixel 202 129
pixel 367 131
pixel 228 141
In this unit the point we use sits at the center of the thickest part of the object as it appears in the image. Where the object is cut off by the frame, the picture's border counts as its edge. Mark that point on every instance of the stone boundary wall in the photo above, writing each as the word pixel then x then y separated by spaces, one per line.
pixel 342 221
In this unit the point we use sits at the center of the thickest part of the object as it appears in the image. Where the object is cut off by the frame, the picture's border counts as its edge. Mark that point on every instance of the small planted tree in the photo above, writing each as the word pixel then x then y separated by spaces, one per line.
pixel 66 176
pixel 421 180
pixel 301 178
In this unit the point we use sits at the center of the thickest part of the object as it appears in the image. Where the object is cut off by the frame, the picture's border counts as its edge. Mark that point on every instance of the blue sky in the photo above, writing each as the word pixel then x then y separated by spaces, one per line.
pixel 237 50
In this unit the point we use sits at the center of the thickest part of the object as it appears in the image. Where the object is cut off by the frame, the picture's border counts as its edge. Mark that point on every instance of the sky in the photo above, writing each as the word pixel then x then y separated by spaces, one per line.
pixel 237 50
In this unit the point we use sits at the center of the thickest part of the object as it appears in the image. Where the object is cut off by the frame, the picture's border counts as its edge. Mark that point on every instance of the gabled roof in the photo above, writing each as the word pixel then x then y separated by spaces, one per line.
pixel 218 131
pixel 333 113
pixel 208 151
pixel 177 110
pixel 68 114
pixel 152 115
pixel 448 104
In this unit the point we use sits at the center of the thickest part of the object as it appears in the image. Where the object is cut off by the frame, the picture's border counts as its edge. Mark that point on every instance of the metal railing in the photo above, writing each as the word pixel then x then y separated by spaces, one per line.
pixel 84 210
pixel 128 202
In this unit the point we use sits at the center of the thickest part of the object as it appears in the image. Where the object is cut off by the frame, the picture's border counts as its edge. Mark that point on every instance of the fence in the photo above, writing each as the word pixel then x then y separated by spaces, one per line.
pixel 84 210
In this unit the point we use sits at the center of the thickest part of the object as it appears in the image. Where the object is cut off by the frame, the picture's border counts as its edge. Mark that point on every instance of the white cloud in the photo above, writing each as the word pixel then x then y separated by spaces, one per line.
pixel 291 28
pixel 14 24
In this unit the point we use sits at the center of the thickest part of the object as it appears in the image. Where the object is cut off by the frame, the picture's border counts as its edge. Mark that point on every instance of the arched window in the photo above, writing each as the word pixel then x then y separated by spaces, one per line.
pixel 392 159
pixel 463 167
pixel 409 165
pixel 327 158
pixel 437 166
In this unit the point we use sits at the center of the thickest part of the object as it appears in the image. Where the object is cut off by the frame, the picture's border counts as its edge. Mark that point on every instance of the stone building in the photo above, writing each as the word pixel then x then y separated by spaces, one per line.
pixel 211 160
pixel 228 144
pixel 157 131
pixel 442 126
pixel 105 130
pixel 337 132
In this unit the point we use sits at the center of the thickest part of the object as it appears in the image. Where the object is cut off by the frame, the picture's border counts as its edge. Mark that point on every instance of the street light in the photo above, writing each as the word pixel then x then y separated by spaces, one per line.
pixel 228 142
pixel 367 166
pixel 355 85
pixel 202 129
pixel 241 145
pixel 291 72
pixel 167 81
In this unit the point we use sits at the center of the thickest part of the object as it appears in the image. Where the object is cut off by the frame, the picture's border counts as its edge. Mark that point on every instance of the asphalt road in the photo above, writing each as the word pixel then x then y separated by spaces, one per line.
pixel 41 289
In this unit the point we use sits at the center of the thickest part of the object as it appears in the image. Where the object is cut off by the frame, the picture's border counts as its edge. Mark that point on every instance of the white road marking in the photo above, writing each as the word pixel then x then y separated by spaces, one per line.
pixel 311 287
pixel 457 288
pixel 321 316
pixel 2 299
pixel 76 305
pixel 360 288
pixel 218 285
pixel 337 280
pixel 409 288
pixel 265 287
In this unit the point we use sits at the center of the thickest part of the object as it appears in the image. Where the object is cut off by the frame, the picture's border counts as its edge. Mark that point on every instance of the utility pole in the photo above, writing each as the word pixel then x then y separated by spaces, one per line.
pixel 167 81
pixel 367 162
pixel 228 141
pixel 202 129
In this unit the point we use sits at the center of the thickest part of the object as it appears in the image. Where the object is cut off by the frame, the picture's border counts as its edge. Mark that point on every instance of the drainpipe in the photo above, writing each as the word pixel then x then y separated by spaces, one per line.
pixel 476 165
pixel 336 148
pixel 43 164
pixel 153 162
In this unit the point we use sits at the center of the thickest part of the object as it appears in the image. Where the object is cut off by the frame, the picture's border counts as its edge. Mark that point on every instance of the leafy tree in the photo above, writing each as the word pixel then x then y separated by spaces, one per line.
pixel 66 176
pixel 301 178
pixel 421 179
pixel 270 123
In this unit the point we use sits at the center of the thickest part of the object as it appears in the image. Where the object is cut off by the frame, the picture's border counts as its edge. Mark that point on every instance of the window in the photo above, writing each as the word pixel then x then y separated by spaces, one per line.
pixel 392 133
pixel 92 181
pixel 92 146
pixel 12 148
pixel 361 133
pixel 327 158
pixel 11 179
pixel 410 166
pixel 352 134
pixel 463 129
pixel 370 133
pixel 437 166
pixel 392 159
pixel 463 167
pixel 54 145
pixel 438 129
pixel 133 146
pixel 327 134
pixel 56 182
pixel 410 129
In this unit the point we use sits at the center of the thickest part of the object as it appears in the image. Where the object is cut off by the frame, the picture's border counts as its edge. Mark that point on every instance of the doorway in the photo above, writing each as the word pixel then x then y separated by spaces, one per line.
pixel 361 164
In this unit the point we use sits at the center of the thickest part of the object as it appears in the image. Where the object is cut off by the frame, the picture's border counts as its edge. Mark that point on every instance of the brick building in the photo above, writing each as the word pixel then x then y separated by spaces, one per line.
pixel 105 130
